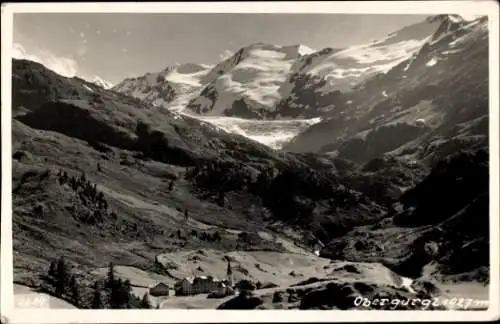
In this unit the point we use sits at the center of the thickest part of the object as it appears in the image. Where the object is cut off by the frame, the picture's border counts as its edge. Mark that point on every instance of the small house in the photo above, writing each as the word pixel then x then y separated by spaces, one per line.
pixel 160 289
pixel 203 285
pixel 184 287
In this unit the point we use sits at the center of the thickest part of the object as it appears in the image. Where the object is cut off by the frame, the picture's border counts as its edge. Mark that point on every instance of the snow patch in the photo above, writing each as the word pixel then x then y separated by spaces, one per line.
pixel 451 52
pixel 272 133
pixel 88 88
pixel 432 62
pixel 406 283
pixel 267 54
pixel 305 50
pixel 366 54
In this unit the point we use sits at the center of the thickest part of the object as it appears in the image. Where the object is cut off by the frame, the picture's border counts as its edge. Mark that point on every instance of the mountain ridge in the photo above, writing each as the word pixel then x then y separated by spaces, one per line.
pixel 221 94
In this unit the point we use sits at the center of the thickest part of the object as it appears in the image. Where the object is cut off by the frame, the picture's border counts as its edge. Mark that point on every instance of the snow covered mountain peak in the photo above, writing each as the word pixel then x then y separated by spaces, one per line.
pixel 247 83
pixel 163 88
pixel 102 83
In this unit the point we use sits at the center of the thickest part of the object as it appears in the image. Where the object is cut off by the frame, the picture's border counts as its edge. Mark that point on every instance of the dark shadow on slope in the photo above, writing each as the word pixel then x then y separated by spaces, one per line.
pixel 75 120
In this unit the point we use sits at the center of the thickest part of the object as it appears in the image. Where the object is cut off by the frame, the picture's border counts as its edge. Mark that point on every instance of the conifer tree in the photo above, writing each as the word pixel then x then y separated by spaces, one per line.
pixel 126 294
pixel 116 294
pixel 97 302
pixel 52 269
pixel 145 303
pixel 111 276
pixel 75 291
pixel 62 276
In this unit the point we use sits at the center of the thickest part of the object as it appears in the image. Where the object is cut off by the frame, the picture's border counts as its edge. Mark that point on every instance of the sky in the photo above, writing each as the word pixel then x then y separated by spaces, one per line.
pixel 114 46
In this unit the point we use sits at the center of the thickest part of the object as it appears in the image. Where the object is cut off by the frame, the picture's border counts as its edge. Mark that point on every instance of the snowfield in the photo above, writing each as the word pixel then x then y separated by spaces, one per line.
pixel 257 77
pixel 273 133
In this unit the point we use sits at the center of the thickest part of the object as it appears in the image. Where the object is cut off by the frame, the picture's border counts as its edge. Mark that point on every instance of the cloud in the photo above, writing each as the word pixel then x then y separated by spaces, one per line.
pixel 61 65
pixel 226 54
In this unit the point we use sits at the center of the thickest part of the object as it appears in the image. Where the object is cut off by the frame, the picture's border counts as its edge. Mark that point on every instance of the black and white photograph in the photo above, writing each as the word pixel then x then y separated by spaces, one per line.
pixel 250 160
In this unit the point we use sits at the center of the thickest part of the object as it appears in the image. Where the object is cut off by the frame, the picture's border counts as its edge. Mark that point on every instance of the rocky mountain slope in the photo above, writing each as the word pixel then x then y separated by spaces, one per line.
pixel 429 104
pixel 168 88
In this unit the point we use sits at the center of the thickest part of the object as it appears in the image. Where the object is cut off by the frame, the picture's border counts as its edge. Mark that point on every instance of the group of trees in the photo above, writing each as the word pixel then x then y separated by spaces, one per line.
pixel 64 282
pixel 118 292
pixel 88 194
pixel 113 293
pixel 210 237
pixel 204 236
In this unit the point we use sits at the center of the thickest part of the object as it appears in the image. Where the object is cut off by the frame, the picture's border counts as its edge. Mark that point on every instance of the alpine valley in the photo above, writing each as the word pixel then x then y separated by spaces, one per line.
pixel 317 175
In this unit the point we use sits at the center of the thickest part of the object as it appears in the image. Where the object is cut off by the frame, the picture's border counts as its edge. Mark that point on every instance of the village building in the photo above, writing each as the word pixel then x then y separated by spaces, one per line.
pixel 197 285
pixel 222 290
pixel 160 289
pixel 183 287
pixel 204 285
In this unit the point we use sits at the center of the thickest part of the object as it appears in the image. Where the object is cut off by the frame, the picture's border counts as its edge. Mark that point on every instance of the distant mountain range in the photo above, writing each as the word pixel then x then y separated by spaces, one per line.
pixel 263 81
pixel 411 81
